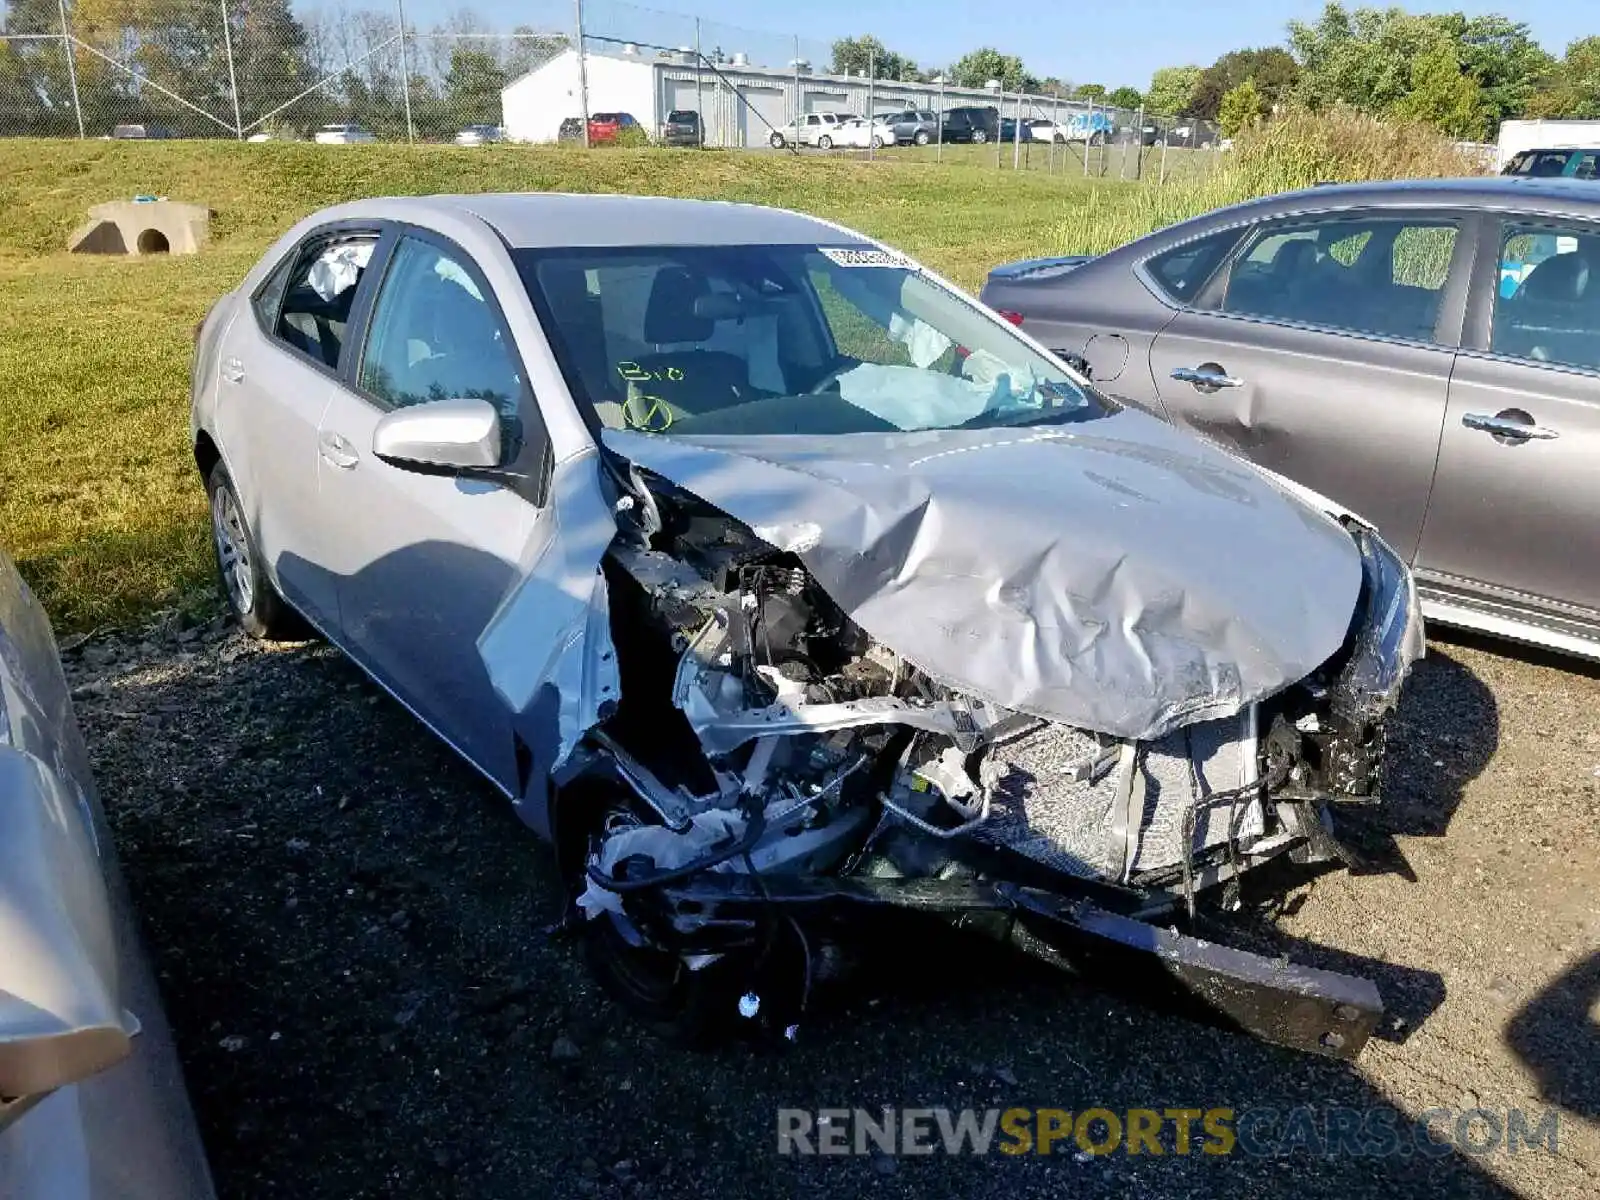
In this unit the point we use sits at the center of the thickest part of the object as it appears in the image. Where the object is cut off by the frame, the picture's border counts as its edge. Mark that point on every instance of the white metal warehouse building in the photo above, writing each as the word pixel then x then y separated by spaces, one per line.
pixel 739 102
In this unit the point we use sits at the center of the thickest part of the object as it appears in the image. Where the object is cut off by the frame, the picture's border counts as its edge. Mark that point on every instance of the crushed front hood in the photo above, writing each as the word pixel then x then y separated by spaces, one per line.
pixel 1114 575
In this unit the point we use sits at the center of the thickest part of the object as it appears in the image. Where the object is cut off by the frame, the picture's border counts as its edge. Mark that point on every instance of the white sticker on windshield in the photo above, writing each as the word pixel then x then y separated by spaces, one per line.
pixel 867 258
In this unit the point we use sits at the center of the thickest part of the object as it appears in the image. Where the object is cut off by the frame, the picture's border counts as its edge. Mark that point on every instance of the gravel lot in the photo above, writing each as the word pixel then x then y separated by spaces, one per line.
pixel 350 931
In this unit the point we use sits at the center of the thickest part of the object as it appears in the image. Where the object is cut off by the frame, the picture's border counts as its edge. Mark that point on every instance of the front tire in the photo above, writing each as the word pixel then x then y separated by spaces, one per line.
pixel 979 137
pixel 877 143
pixel 248 593
pixel 824 142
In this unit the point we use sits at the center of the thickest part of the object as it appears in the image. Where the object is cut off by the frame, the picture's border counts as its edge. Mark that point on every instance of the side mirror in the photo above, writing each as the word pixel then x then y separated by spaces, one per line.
pixel 443 435
pixel 60 1020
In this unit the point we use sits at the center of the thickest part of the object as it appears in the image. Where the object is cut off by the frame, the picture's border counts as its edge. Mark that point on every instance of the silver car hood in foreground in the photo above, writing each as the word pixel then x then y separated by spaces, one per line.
pixel 1113 574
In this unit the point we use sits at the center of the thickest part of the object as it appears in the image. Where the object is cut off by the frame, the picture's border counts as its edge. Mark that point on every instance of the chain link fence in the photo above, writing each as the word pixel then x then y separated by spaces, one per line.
pixel 292 69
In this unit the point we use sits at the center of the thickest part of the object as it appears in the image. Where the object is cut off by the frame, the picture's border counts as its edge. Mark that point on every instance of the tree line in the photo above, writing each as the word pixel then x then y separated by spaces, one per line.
pixel 455 69
pixel 1461 74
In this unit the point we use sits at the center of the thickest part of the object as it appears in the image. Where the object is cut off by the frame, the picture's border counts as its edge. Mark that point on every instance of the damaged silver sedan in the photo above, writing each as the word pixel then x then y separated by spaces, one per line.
pixel 779 583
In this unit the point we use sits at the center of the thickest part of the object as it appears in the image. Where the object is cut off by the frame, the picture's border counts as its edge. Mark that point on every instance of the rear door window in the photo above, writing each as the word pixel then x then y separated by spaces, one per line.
pixel 320 293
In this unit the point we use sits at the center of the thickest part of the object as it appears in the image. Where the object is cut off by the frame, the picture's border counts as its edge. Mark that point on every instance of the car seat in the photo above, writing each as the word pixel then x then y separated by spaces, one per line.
pixel 1554 316
pixel 690 378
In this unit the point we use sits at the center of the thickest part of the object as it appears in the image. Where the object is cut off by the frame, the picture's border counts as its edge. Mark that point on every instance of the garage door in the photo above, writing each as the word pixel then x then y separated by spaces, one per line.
pixel 826 102
pixel 762 107
pixel 682 94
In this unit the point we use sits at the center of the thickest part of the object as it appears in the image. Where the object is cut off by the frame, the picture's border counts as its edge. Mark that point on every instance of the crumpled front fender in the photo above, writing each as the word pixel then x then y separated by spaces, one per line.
pixel 548 648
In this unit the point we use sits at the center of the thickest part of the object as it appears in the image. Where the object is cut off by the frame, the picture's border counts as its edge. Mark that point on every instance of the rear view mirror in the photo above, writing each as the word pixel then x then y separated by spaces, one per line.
pixel 60 1020
pixel 441 435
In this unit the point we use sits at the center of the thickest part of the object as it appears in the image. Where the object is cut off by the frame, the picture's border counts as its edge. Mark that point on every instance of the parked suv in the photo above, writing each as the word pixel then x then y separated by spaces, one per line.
pixel 816 129
pixel 682 128
pixel 972 124
pixel 603 127
pixel 913 125
pixel 1554 164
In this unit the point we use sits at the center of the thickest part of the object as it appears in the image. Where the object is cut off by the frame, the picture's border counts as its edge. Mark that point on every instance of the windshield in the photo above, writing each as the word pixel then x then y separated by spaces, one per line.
pixel 785 340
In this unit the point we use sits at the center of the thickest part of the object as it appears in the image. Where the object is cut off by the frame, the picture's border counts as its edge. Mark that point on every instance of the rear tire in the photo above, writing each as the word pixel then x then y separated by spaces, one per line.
pixel 777 141
pixel 248 593
pixel 877 143
pixel 824 142
pixel 979 137
pixel 922 138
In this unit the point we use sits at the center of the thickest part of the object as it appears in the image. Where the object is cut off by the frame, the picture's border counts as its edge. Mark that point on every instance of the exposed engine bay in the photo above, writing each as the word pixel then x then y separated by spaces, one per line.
pixel 778 764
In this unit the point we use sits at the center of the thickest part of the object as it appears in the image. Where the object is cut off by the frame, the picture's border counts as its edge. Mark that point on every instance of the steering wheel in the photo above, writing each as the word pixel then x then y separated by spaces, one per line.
pixel 832 377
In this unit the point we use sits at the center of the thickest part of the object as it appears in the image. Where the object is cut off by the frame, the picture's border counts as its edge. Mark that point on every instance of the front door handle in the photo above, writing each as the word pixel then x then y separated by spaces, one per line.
pixel 1509 427
pixel 233 371
pixel 1206 377
pixel 337 451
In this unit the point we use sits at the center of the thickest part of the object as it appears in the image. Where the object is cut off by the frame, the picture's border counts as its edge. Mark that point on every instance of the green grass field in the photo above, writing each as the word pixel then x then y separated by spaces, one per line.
pixel 99 501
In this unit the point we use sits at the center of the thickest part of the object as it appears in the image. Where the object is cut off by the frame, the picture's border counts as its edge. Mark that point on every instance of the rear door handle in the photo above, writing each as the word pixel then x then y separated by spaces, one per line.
pixel 233 371
pixel 1512 425
pixel 1208 376
pixel 337 451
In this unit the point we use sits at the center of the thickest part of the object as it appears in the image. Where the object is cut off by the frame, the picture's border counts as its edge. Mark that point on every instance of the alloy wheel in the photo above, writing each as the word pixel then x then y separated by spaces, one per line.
pixel 233 550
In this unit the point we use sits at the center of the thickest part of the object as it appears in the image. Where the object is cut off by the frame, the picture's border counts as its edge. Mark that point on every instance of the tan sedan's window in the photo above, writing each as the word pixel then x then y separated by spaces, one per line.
pixel 1381 276
pixel 1547 308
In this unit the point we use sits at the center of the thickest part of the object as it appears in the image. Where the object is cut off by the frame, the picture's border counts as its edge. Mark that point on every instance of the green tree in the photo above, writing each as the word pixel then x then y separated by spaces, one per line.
pixel 1572 89
pixel 1362 59
pixel 472 86
pixel 1370 58
pixel 1444 94
pixel 270 54
pixel 1125 97
pixel 1240 108
pixel 1171 91
pixel 1272 70
pixel 853 56
pixel 976 69
pixel 1503 57
pixel 1090 91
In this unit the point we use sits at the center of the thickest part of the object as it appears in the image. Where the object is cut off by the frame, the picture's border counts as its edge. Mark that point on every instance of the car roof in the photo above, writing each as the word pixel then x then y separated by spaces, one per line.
pixel 542 220
pixel 1495 193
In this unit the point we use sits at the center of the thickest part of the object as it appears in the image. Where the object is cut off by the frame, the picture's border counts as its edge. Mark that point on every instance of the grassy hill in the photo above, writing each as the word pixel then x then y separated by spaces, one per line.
pixel 99 501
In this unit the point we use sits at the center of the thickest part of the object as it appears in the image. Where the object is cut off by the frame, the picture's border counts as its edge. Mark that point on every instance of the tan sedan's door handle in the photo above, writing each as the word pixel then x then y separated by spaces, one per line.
pixel 1207 376
pixel 337 451
pixel 1512 425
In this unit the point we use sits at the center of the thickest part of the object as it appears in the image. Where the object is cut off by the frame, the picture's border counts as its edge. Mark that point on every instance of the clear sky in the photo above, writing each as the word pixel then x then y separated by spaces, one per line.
pixel 1113 42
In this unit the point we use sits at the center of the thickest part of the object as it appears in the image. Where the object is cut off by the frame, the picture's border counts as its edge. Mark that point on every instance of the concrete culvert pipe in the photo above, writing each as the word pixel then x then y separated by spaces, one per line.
pixel 143 227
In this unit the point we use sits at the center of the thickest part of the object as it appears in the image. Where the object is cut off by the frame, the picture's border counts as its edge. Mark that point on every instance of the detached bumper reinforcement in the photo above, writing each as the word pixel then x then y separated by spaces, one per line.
pixel 1303 1008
